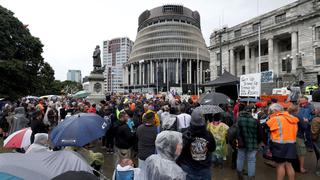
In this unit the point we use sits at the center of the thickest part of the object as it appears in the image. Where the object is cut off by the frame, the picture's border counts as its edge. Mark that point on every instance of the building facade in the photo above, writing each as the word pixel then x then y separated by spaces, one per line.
pixel 289 43
pixel 74 75
pixel 168 51
pixel 115 53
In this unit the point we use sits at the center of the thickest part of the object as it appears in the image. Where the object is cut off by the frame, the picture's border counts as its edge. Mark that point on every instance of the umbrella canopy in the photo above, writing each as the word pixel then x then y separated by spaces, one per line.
pixel 79 175
pixel 249 100
pixel 42 165
pixel 79 130
pixel 81 94
pixel 214 99
pixel 209 109
pixel 18 139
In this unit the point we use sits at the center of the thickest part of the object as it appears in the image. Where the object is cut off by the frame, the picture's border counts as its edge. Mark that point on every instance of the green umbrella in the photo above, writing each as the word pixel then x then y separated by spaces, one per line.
pixel 81 94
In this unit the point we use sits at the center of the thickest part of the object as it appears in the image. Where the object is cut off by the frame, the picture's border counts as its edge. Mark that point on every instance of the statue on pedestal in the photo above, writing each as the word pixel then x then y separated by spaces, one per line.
pixel 96 59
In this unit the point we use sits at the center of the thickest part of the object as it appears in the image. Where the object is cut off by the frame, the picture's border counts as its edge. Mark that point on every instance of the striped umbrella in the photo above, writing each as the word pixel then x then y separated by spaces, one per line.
pixel 18 139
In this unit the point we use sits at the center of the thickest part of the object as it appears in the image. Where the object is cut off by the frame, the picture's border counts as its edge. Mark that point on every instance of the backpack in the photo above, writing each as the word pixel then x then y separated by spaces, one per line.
pixel 169 123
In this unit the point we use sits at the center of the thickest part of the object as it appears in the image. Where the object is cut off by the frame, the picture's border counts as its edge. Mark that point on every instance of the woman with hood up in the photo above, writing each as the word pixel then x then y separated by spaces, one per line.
pixel 19 121
pixel 162 166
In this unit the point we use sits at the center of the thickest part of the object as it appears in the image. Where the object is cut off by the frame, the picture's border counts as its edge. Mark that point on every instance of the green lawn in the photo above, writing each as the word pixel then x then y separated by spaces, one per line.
pixel 3 150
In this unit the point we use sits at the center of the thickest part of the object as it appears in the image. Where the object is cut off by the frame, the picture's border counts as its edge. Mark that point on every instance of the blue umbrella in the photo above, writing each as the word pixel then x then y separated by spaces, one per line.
pixel 6 176
pixel 79 130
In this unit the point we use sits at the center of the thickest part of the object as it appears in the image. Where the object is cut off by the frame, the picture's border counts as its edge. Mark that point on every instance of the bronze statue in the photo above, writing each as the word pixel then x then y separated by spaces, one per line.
pixel 96 58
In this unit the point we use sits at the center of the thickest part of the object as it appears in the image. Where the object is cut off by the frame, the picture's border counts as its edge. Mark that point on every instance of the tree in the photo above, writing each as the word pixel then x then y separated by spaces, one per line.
pixel 22 68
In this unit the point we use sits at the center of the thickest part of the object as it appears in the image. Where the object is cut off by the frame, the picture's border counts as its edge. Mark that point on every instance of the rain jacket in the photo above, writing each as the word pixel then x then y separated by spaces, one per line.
pixel 19 121
pixel 162 166
pixel 283 129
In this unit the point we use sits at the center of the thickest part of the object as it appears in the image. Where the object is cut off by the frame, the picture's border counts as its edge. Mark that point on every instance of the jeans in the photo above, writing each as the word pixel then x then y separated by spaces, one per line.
pixel 196 174
pixel 141 164
pixel 308 137
pixel 251 158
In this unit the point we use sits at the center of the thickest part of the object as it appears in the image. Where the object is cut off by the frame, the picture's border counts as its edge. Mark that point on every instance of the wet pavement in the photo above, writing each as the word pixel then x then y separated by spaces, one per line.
pixel 263 171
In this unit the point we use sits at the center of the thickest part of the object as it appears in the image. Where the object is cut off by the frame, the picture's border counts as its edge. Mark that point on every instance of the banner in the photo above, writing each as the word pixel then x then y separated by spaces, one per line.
pixel 267 77
pixel 250 85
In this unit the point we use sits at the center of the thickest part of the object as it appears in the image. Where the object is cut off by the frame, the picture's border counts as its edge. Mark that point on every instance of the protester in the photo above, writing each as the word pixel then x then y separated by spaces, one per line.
pixel 198 145
pixel 283 129
pixel 19 120
pixel 125 170
pixel 305 115
pixel 183 118
pixel 146 134
pixel 162 166
pixel 219 131
pixel 124 138
pixel 37 125
pixel 315 131
pixel 300 142
pixel 40 143
pixel 249 137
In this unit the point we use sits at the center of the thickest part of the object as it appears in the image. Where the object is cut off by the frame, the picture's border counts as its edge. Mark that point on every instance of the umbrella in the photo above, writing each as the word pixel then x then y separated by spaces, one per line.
pixel 79 130
pixel 7 176
pixel 249 100
pixel 42 165
pixel 79 175
pixel 209 109
pixel 81 94
pixel 18 139
pixel 214 99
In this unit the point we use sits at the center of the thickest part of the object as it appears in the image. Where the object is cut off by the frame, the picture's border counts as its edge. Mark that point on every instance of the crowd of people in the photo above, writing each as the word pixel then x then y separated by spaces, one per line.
pixel 169 139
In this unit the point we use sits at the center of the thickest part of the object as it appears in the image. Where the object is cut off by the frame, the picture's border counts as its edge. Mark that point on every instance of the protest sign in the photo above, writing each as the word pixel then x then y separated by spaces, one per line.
pixel 250 85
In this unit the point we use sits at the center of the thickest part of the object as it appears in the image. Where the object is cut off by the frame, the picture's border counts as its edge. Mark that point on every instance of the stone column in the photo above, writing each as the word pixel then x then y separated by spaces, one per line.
pixel 247 60
pixel 270 53
pixel 140 74
pixel 190 71
pixel 164 71
pixel 151 71
pixel 294 50
pixel 200 73
pixel 253 68
pixel 131 74
pixel 143 73
pixel 232 62
pixel 177 71
pixel 276 62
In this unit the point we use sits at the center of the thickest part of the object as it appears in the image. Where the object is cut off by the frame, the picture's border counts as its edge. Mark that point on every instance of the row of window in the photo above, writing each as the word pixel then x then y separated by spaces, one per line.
pixel 286 64
pixel 168 40
pixel 255 27
pixel 168 20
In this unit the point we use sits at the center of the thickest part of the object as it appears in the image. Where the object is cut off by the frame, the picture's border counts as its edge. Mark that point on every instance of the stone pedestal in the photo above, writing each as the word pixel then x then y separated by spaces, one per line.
pixel 96 87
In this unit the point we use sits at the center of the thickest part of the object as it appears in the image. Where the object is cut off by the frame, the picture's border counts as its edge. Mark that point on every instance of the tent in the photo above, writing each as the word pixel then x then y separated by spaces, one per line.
pixel 225 79
pixel 226 84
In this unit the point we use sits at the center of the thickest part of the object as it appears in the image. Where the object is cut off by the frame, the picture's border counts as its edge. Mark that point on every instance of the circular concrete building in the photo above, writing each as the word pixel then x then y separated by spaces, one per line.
pixel 169 52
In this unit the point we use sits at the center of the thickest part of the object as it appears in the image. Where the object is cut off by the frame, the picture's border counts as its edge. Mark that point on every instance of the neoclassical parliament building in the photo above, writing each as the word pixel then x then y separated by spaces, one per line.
pixel 289 43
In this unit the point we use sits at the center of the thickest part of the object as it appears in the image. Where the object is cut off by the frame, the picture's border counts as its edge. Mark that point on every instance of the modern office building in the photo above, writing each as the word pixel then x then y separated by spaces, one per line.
pixel 74 75
pixel 115 53
pixel 289 43
pixel 168 51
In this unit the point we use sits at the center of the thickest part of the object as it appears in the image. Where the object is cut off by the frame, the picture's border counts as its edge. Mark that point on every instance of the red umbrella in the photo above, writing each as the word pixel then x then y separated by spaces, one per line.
pixel 18 139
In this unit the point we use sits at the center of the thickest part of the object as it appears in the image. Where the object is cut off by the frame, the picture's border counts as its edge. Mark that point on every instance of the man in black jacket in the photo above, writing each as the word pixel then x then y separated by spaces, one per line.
pixel 124 138
pixel 198 145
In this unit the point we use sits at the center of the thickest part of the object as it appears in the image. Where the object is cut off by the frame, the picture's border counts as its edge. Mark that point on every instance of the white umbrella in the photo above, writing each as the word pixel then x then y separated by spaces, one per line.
pixel 18 139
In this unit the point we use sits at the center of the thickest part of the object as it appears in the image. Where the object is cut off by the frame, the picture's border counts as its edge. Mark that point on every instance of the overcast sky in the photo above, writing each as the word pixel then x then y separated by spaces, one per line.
pixel 70 29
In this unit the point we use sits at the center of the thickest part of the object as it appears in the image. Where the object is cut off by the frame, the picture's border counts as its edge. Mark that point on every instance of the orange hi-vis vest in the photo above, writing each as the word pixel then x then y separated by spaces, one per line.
pixel 283 127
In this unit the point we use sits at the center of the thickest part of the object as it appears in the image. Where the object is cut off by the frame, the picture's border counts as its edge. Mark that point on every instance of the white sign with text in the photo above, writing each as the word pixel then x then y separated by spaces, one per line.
pixel 250 85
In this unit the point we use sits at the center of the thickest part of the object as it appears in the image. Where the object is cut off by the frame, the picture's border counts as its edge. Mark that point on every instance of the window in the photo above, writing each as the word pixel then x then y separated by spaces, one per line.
pixel 317 32
pixel 264 66
pixel 318 56
pixel 255 27
pixel 243 69
pixel 218 71
pixel 281 18
pixel 242 54
pixel 237 33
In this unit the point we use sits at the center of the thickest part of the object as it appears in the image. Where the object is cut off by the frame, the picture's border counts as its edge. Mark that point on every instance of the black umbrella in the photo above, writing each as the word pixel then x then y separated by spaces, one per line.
pixel 208 109
pixel 79 175
pixel 214 99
